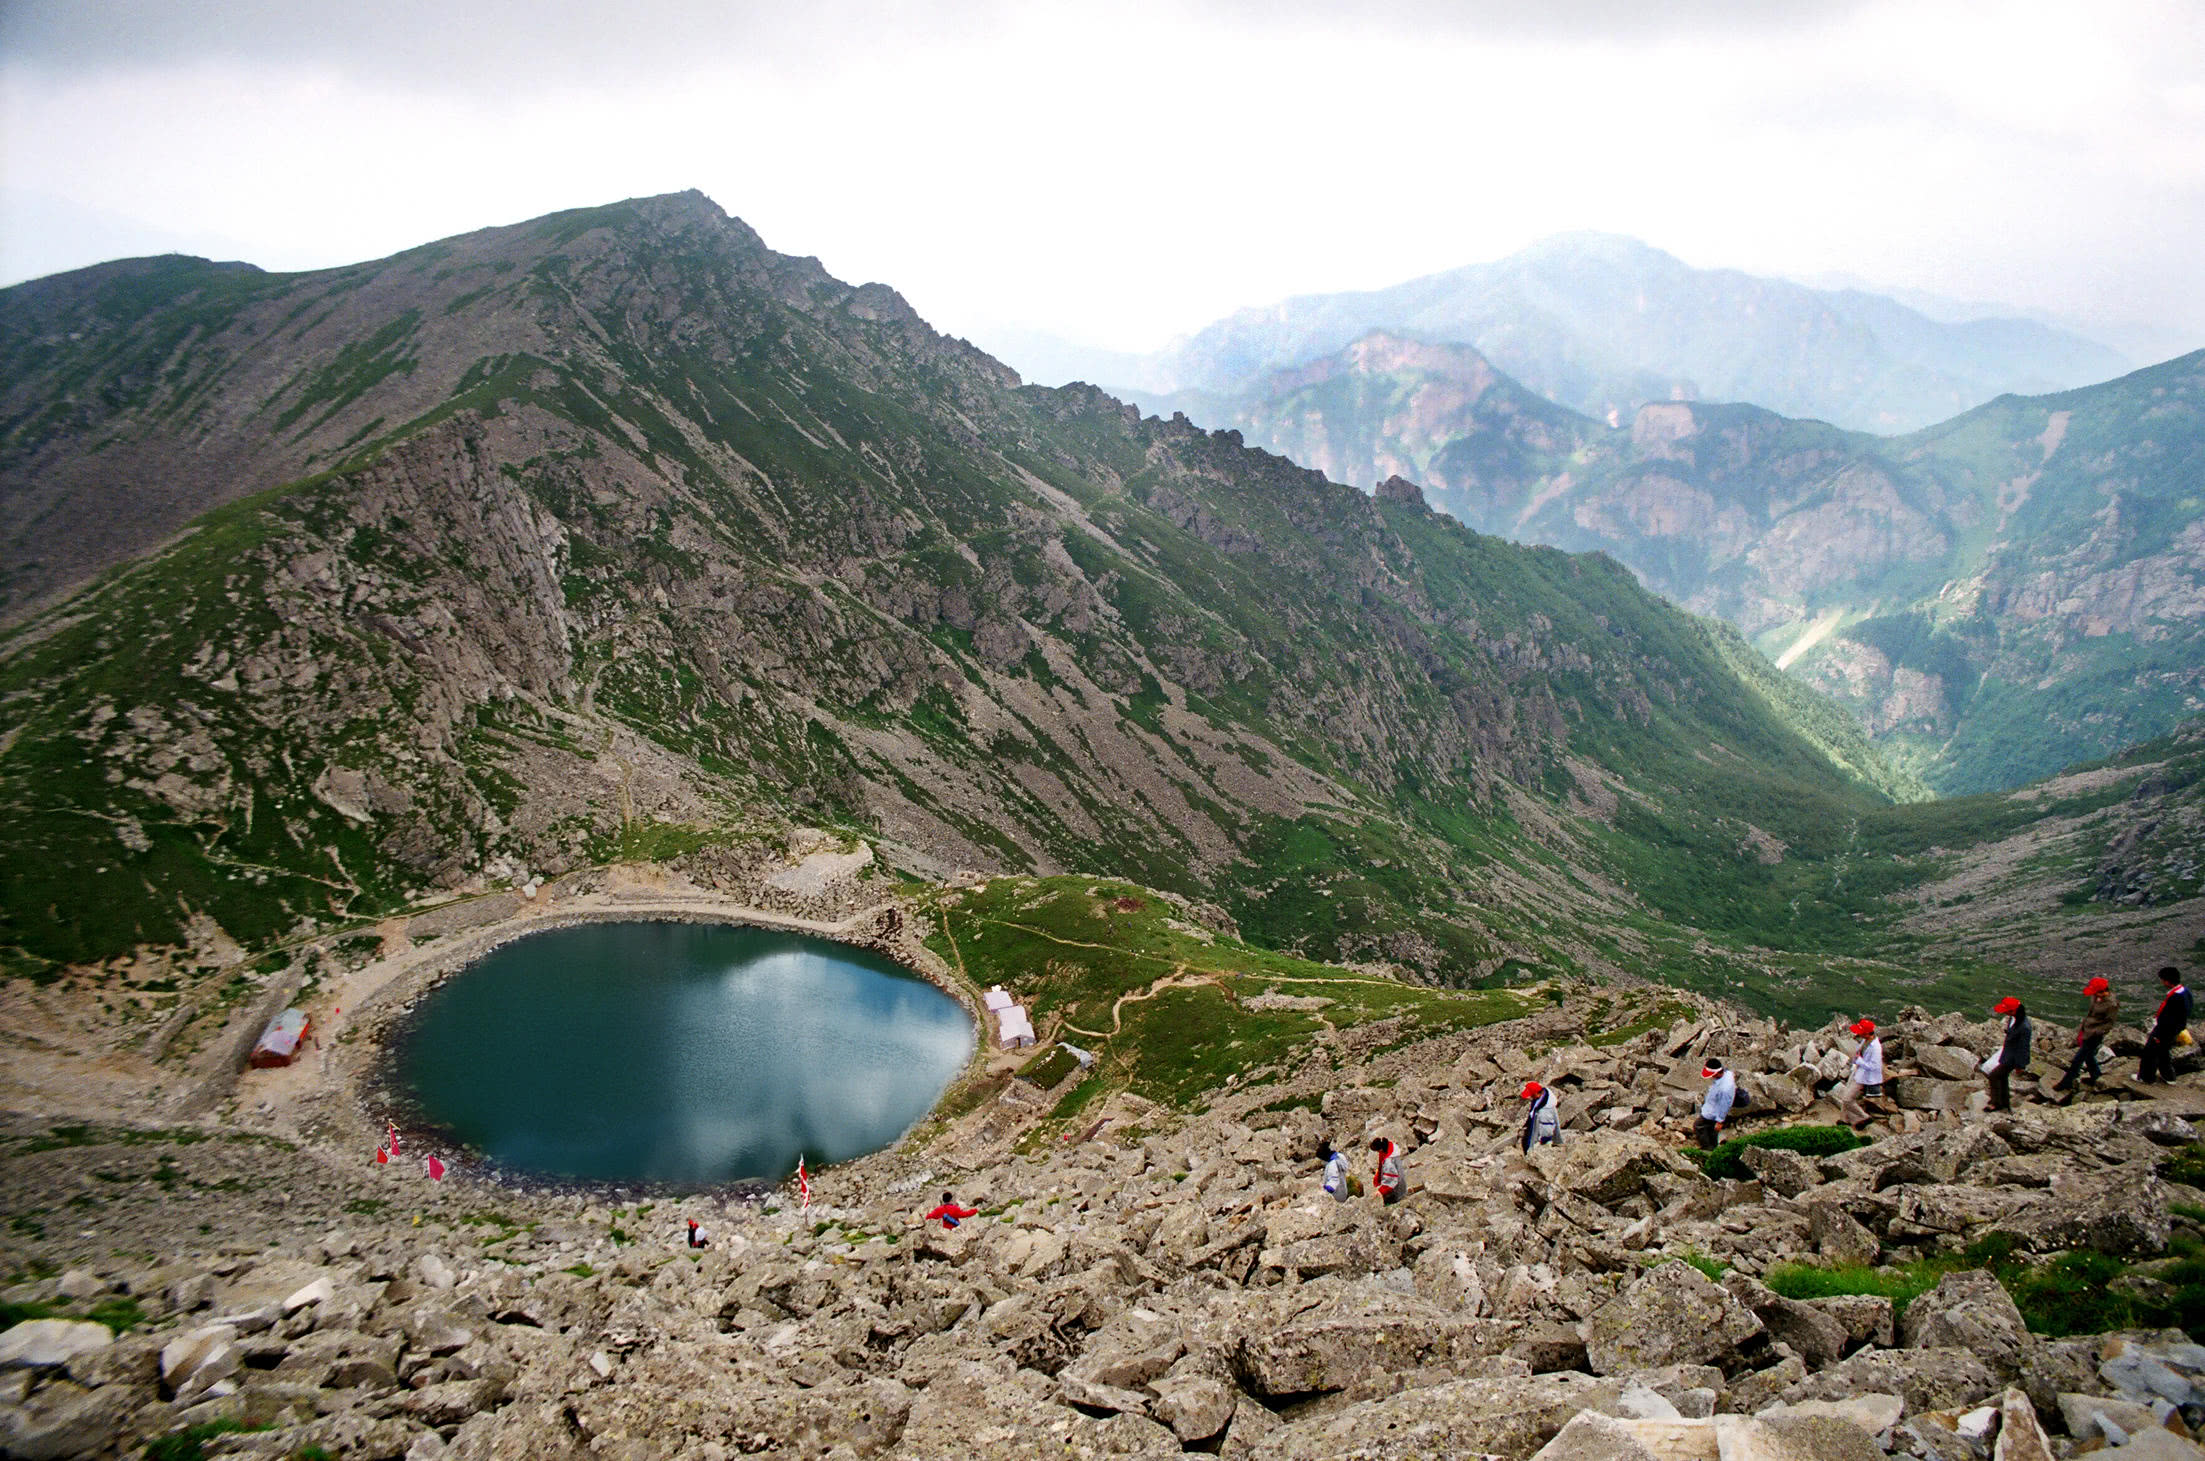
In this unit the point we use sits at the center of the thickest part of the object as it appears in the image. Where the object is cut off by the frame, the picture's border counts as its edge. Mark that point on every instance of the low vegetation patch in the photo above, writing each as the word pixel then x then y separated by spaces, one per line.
pixel 2079 1292
pixel 1814 1141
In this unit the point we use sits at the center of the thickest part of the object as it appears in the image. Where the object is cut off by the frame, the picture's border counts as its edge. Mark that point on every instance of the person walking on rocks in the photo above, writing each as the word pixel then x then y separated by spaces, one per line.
pixel 1542 1122
pixel 696 1236
pixel 2167 1027
pixel 1387 1179
pixel 2013 1052
pixel 1337 1176
pixel 950 1213
pixel 2105 1010
pixel 1722 1094
pixel 1866 1078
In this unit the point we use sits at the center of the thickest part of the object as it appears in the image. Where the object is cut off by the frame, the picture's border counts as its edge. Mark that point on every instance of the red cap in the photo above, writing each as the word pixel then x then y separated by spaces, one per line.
pixel 1864 1028
pixel 1709 1071
pixel 2006 1006
pixel 2096 986
pixel 1531 1089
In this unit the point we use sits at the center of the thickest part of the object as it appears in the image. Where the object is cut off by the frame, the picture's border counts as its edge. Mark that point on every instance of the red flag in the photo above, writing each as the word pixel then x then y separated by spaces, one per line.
pixel 436 1170
pixel 803 1184
pixel 382 1155
pixel 393 1127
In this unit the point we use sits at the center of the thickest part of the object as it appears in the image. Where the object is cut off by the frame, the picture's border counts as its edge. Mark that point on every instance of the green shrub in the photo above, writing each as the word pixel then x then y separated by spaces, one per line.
pixel 2187 1166
pixel 189 1444
pixel 1813 1141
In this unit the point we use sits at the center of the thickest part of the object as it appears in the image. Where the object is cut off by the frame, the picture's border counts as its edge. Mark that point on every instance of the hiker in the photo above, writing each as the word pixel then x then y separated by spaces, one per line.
pixel 696 1235
pixel 1542 1122
pixel 1387 1179
pixel 1866 1078
pixel 1337 1178
pixel 950 1213
pixel 2168 1029
pixel 1722 1093
pixel 2105 1009
pixel 2013 1052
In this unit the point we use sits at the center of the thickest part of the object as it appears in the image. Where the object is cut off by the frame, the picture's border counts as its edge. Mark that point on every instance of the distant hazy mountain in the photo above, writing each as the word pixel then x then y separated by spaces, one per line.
pixel 1604 324
pixel 1995 597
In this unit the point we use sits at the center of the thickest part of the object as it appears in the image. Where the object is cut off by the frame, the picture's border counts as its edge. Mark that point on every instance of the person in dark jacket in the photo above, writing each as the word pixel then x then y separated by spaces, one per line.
pixel 2166 1028
pixel 2105 1011
pixel 2013 1051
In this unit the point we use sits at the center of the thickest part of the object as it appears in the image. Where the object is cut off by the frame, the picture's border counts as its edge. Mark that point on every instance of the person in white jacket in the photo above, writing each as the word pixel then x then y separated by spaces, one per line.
pixel 1722 1092
pixel 1866 1078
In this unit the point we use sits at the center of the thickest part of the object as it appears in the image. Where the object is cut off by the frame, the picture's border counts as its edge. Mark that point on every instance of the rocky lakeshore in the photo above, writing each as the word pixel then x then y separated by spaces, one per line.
pixel 1169 1284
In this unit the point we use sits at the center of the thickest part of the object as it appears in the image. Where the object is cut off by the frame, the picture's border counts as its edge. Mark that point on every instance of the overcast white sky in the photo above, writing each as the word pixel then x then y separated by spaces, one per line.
pixel 1120 173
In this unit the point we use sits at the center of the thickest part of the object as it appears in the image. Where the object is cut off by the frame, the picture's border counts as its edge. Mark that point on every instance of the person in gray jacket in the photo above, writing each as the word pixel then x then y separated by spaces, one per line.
pixel 1542 1122
pixel 2013 1051
pixel 1722 1094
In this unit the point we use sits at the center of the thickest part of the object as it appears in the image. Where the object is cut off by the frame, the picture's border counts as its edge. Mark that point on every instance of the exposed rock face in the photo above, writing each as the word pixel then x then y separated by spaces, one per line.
pixel 1673 1316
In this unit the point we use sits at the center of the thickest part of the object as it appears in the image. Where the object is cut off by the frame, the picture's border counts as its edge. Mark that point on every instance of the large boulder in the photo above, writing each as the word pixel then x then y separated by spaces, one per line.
pixel 1785 1173
pixel 2122 1211
pixel 1868 1318
pixel 1839 1236
pixel 1926 1379
pixel 44 1343
pixel 1509 1418
pixel 1607 1167
pixel 1363 1330
pixel 1817 1338
pixel 1675 1315
pixel 1970 1310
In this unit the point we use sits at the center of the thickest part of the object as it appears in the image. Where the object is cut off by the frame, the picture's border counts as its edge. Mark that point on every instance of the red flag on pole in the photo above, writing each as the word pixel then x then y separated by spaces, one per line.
pixel 803 1183
pixel 382 1155
pixel 436 1170
pixel 393 1128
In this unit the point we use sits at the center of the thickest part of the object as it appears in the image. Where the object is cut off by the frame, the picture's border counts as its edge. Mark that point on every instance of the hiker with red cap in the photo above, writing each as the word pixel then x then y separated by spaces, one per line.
pixel 1866 1078
pixel 2013 1052
pixel 2168 1027
pixel 1542 1122
pixel 1387 1179
pixel 1722 1093
pixel 2105 1010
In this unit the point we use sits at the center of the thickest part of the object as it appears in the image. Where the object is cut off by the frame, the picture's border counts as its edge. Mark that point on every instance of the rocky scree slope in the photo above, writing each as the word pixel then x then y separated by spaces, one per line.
pixel 1182 1287
pixel 1992 597
pixel 634 535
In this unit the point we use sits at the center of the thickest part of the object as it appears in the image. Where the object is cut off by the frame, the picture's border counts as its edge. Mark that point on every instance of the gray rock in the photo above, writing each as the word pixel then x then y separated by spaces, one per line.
pixel 1195 1406
pixel 41 1343
pixel 1673 1315
pixel 1591 1436
pixel 2081 1415
pixel 1785 1173
pixel 1511 1418
pixel 1868 1318
pixel 1337 1343
pixel 1838 1236
pixel 62 1420
pixel 1970 1310
pixel 1926 1379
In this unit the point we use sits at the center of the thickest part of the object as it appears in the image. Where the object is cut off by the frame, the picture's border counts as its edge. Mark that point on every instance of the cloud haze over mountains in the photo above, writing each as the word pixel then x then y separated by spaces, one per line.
pixel 1120 177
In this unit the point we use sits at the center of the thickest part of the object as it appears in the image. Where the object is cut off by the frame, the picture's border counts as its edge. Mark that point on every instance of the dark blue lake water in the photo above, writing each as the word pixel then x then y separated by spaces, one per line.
pixel 678 1053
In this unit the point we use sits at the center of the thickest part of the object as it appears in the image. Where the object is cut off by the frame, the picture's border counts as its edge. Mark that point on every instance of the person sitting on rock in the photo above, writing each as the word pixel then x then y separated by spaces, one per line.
pixel 1866 1078
pixel 1387 1179
pixel 1722 1093
pixel 1542 1122
pixel 2013 1052
pixel 2105 1012
pixel 1337 1177
pixel 950 1213
pixel 696 1235
pixel 2167 1027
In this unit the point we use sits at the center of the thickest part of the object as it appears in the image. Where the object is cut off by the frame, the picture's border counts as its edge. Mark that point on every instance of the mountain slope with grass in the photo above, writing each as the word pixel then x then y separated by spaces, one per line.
pixel 638 537
pixel 1992 598
pixel 713 543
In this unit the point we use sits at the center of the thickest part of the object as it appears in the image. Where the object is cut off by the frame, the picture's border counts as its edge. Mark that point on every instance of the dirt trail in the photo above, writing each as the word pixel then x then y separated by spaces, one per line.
pixel 1176 979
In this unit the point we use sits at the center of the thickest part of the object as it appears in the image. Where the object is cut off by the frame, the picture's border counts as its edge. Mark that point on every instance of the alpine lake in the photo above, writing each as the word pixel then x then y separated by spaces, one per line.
pixel 678 1055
